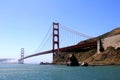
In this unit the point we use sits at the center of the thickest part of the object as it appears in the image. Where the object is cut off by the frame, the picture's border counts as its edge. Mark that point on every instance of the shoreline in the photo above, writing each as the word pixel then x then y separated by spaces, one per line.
pixel 81 65
pixel 105 65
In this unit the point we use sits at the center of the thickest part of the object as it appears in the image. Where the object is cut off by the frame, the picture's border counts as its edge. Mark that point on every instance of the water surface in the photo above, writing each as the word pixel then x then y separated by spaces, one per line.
pixel 57 72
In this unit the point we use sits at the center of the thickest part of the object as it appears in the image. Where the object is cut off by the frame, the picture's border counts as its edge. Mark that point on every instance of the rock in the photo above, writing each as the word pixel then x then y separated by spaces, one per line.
pixel 84 64
pixel 73 61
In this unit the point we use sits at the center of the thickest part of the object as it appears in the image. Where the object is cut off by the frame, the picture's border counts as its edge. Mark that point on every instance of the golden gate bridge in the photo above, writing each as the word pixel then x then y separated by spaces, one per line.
pixel 56 43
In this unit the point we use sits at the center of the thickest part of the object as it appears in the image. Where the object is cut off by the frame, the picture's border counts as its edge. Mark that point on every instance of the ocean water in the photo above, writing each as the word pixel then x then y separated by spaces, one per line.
pixel 57 72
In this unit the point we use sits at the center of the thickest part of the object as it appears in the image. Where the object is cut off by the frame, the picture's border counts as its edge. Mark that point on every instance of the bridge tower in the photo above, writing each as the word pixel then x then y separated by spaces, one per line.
pixel 55 38
pixel 21 61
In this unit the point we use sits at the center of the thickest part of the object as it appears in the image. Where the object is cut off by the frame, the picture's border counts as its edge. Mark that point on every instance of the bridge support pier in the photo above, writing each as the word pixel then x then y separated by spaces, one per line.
pixel 98 46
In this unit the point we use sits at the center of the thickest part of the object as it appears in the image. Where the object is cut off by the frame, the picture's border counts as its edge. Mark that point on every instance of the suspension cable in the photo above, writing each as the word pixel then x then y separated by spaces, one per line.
pixel 43 41
pixel 46 41
pixel 75 32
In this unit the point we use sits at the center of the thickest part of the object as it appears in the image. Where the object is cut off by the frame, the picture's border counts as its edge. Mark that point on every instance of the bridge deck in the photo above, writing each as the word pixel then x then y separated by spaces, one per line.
pixel 67 49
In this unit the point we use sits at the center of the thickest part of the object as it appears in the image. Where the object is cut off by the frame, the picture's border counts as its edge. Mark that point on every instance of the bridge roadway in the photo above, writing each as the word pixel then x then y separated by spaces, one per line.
pixel 67 49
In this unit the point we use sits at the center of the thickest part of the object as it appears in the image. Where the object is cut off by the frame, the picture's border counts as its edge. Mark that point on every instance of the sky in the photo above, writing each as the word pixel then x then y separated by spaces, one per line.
pixel 24 23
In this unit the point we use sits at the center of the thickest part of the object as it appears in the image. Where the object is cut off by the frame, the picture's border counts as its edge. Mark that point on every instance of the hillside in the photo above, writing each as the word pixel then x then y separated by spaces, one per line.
pixel 108 34
pixel 111 33
pixel 109 56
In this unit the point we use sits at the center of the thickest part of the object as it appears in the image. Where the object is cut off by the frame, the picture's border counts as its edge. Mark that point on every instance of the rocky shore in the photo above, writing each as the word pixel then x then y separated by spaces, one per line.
pixel 110 56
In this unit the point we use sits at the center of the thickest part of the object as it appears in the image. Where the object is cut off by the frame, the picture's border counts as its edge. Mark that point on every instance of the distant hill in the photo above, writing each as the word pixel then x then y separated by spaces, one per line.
pixel 109 56
pixel 8 60
pixel 4 60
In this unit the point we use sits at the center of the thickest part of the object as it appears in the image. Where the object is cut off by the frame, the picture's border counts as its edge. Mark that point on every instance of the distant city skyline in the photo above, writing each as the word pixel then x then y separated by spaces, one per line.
pixel 24 23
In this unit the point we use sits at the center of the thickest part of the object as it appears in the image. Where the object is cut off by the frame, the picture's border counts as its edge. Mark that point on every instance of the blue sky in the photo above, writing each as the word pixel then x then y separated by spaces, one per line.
pixel 24 23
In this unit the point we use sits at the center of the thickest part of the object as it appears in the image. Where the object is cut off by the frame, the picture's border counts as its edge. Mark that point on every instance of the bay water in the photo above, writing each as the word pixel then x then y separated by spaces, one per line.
pixel 57 72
